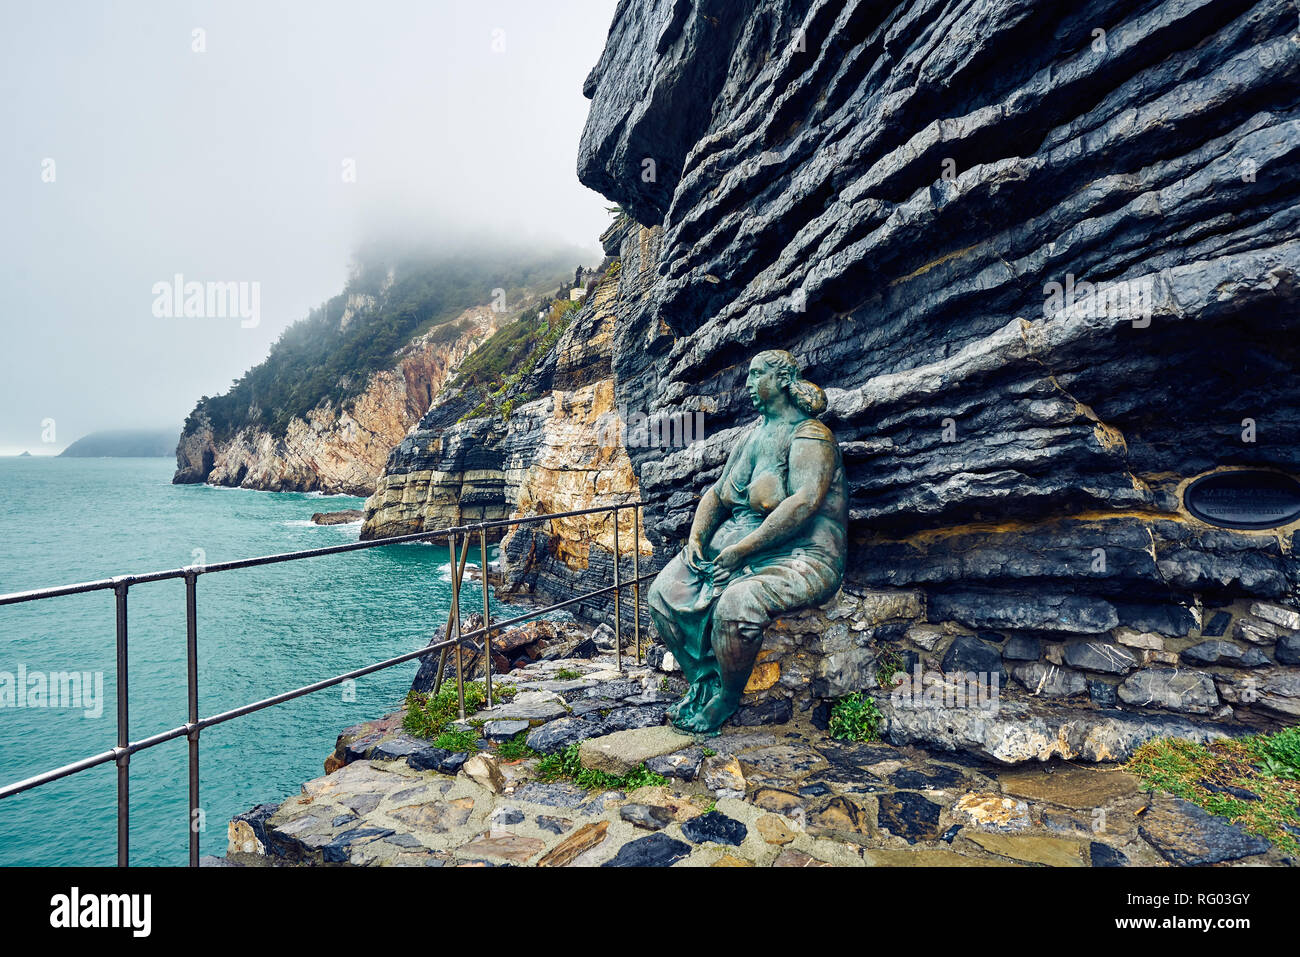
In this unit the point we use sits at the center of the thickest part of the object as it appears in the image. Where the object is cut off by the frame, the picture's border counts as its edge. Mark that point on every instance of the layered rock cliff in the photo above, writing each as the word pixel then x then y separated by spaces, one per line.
pixel 341 388
pixel 1043 256
pixel 338 449
pixel 546 440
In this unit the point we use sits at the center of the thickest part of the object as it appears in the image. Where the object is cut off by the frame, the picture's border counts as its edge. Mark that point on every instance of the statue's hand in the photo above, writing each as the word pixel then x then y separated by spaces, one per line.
pixel 694 553
pixel 728 560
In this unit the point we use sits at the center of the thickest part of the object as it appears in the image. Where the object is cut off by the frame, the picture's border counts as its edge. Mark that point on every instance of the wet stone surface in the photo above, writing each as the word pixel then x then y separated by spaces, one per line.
pixel 781 795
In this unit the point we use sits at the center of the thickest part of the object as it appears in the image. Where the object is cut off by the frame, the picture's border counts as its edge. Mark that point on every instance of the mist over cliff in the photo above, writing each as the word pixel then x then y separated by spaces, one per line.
pixel 341 386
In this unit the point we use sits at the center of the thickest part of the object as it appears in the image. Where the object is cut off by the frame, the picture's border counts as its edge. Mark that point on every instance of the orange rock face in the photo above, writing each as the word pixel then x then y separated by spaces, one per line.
pixel 343 450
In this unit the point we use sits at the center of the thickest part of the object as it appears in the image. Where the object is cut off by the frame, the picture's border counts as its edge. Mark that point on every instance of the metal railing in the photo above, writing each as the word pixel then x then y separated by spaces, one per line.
pixel 453 638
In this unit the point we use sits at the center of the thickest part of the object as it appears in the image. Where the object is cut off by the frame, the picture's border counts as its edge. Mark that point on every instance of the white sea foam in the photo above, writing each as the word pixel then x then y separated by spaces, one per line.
pixel 444 570
pixel 350 527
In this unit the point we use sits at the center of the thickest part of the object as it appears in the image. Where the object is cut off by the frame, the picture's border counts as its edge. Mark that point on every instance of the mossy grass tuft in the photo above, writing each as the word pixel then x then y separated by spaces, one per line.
pixel 1266 765
pixel 516 748
pixel 430 716
pixel 889 663
pixel 567 764
pixel 457 739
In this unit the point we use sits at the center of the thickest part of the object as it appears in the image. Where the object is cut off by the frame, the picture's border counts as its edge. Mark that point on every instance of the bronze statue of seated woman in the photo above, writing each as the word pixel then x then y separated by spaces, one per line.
pixel 768 537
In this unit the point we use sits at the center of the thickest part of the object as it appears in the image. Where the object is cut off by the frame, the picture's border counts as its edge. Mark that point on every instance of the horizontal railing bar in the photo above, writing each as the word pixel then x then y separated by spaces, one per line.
pixel 499 522
pixel 183 730
pixel 14 598
pixel 558 605
pixel 164 736
pixel 104 583
pixel 319 685
pixel 45 777
pixel 380 666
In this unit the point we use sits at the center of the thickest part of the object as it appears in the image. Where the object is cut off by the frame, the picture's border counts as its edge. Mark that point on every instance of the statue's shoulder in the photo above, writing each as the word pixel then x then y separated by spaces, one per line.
pixel 813 429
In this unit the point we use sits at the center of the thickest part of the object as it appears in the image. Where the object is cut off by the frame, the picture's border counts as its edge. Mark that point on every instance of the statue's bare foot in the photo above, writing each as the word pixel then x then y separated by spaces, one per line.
pixel 696 722
pixel 675 709
pixel 687 722
pixel 695 696
pixel 709 718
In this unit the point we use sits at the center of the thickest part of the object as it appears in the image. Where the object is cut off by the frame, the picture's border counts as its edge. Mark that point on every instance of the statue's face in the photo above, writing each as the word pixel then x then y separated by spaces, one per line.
pixel 764 384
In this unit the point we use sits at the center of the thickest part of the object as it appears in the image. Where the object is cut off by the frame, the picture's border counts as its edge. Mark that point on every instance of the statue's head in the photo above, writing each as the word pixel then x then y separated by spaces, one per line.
pixel 775 371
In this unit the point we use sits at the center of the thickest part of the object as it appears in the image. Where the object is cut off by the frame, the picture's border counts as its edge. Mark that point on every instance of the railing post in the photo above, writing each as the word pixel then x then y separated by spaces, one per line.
pixel 192 672
pixel 487 614
pixel 455 626
pixel 636 579
pixel 618 586
pixel 123 759
pixel 446 633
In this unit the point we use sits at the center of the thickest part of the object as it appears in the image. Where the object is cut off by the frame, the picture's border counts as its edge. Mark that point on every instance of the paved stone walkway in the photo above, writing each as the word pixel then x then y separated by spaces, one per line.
pixel 784 795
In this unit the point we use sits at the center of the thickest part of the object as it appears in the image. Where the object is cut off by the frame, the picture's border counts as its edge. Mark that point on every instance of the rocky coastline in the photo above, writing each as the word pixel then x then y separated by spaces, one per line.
pixel 337 451
pixel 556 449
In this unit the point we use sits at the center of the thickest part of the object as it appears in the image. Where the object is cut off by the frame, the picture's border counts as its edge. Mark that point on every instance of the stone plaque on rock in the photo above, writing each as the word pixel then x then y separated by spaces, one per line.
pixel 1244 498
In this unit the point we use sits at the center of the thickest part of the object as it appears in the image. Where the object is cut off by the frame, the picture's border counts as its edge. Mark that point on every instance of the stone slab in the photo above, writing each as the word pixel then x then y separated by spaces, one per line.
pixel 1073 787
pixel 625 751
pixel 1033 848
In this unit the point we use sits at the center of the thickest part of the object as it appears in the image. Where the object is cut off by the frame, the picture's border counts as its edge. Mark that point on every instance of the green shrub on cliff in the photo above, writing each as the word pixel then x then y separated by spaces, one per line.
pixel 497 367
pixel 855 717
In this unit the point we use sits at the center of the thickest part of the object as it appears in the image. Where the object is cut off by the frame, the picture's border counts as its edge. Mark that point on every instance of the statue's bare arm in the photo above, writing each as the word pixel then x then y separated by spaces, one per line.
pixel 710 513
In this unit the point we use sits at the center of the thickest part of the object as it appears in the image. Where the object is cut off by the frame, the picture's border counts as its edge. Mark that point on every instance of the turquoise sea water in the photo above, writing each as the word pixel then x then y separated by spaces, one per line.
pixel 261 631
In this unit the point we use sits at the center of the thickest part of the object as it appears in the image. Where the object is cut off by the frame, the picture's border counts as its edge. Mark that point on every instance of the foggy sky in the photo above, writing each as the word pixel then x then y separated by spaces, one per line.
pixel 228 165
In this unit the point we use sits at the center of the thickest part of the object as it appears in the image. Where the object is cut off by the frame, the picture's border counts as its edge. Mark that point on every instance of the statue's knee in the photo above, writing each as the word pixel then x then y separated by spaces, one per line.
pixel 738 603
pixel 656 618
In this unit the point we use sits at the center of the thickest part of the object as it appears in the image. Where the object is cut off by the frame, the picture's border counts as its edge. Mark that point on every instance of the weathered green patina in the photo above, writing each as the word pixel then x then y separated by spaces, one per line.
pixel 768 537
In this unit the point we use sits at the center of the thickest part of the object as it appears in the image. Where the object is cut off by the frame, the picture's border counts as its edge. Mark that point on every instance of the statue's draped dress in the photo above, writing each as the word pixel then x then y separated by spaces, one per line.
pixel 804 569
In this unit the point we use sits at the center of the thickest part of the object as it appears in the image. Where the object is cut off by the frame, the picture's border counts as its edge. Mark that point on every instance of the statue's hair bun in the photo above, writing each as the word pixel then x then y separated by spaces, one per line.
pixel 807 397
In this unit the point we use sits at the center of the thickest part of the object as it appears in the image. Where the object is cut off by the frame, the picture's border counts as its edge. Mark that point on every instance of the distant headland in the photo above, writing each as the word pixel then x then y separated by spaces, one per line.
pixel 125 443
